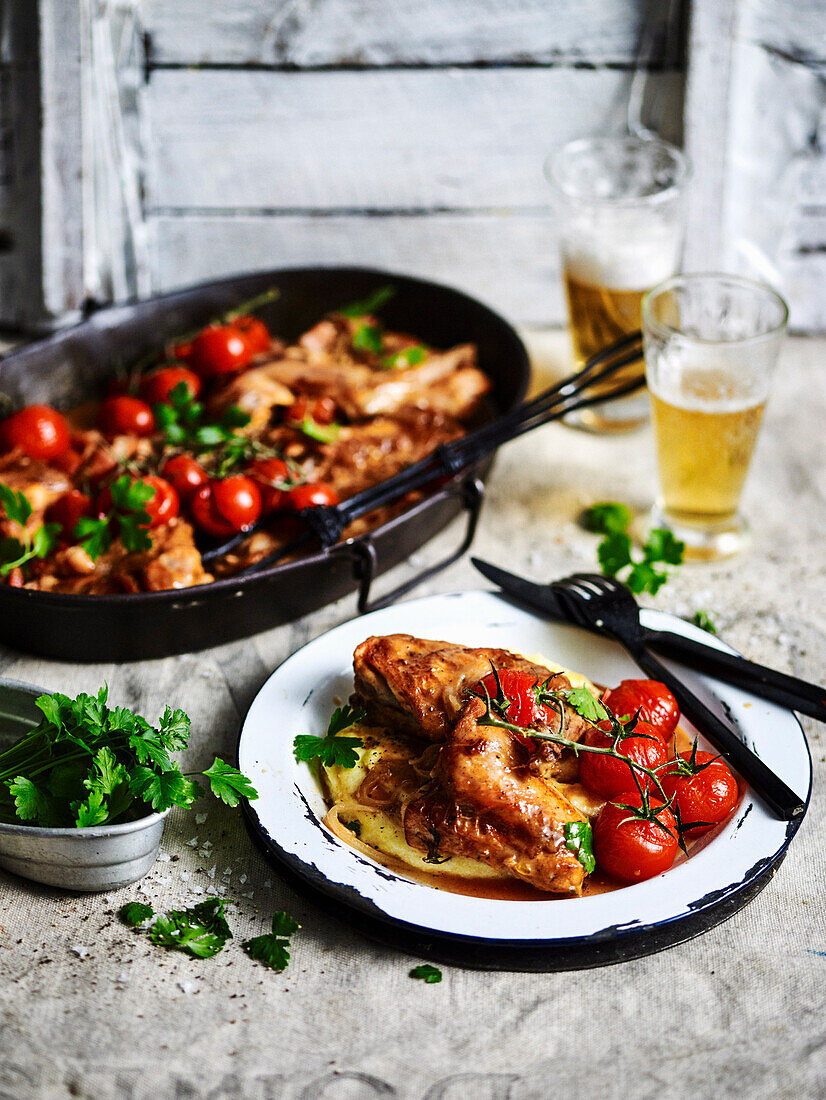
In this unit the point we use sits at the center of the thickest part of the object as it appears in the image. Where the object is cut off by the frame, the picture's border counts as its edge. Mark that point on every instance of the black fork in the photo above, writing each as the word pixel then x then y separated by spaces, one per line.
pixel 605 603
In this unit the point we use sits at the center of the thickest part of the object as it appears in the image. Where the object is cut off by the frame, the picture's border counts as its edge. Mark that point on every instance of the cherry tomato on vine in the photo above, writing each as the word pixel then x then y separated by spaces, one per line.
pixel 219 349
pixel 227 505
pixel 157 386
pixel 517 687
pixel 312 495
pixel 268 473
pixel 184 474
pixel 38 430
pixel 126 415
pixel 608 776
pixel 653 700
pixel 164 505
pixel 704 789
pixel 322 410
pixel 636 849
pixel 255 333
pixel 67 510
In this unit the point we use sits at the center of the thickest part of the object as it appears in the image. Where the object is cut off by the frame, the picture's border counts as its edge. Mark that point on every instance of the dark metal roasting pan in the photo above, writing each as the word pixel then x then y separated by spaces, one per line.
pixel 71 366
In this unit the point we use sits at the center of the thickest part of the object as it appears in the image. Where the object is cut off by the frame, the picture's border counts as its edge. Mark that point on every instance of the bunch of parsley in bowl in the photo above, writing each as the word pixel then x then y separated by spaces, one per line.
pixel 84 794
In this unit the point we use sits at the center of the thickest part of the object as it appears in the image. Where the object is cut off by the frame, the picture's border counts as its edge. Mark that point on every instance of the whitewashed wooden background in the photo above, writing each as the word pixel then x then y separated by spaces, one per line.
pixel 146 144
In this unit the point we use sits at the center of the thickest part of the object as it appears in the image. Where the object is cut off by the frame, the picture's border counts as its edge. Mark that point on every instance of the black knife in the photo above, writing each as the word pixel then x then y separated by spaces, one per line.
pixel 778 687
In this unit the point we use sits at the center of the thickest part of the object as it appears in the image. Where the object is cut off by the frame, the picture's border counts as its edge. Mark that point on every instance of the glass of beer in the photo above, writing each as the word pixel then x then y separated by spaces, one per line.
pixel 621 233
pixel 711 346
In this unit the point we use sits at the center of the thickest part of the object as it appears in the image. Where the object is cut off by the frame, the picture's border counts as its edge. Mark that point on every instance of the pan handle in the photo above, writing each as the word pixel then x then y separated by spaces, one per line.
pixel 365 560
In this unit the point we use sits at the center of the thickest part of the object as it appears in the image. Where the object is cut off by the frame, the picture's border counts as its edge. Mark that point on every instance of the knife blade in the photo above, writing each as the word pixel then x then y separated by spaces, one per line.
pixel 777 687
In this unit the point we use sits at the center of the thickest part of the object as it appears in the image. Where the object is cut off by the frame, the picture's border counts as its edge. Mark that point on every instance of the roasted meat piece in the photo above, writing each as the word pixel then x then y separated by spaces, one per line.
pixel 485 803
pixel 256 393
pixel 40 483
pixel 420 686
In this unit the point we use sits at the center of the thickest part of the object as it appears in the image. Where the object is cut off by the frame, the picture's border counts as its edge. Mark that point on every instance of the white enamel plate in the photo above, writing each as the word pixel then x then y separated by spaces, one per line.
pixel 717 879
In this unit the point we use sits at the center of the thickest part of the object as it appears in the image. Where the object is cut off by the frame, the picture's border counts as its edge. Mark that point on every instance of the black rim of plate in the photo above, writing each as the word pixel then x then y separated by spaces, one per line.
pixel 615 944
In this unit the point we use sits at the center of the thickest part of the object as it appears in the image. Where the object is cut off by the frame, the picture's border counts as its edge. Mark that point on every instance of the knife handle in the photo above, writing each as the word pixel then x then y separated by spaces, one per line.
pixel 778 687
pixel 771 788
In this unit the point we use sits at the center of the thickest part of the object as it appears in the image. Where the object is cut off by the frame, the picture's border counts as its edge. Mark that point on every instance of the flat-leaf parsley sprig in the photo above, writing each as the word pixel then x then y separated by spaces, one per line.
pixel 201 930
pixel 615 552
pixel 273 948
pixel 87 763
pixel 126 519
pixel 15 552
pixel 333 751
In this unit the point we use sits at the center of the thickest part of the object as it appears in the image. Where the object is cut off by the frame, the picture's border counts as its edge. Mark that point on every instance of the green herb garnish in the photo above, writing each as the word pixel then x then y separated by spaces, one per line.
pixel 333 751
pixel 368 338
pixel 127 519
pixel 273 949
pixel 615 553
pixel 587 707
pixel 322 433
pixel 426 973
pixel 704 621
pixel 407 357
pixel 368 305
pixel 87 763
pixel 16 552
pixel 200 930
pixel 181 419
pixel 579 839
pixel 135 913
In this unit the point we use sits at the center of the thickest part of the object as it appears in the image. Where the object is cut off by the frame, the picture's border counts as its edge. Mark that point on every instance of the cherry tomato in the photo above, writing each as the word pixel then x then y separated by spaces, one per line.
pixel 322 410
pixel 38 430
pixel 637 849
pixel 608 776
pixel 126 416
pixel 184 474
pixel 255 333
pixel 69 462
pixel 312 495
pixel 517 687
pixel 67 510
pixel 653 700
pixel 267 473
pixel 219 349
pixel 16 578
pixel 181 351
pixel 164 505
pixel 158 385
pixel 704 789
pixel 226 505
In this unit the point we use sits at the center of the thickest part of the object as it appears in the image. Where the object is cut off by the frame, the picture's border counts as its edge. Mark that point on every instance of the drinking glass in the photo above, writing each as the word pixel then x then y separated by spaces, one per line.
pixel 621 232
pixel 711 346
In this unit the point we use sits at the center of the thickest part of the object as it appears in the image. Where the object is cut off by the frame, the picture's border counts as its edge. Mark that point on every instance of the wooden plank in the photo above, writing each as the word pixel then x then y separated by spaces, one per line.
pixel 416 139
pixel 378 32
pixel 511 262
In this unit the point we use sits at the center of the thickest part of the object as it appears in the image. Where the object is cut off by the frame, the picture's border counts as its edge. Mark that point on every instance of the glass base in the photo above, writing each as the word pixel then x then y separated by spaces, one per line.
pixel 704 542
pixel 626 414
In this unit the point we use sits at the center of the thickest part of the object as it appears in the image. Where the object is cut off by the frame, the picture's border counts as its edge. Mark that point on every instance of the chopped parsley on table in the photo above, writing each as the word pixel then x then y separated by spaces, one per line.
pixel 615 553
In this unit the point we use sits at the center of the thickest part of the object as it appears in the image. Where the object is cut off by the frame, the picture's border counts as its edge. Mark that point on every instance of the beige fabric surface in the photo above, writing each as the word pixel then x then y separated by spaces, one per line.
pixel 91 1009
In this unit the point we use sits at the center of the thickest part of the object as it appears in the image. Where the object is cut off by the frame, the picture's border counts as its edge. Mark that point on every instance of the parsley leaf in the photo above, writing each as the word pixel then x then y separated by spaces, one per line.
pixel 94 535
pixel 127 517
pixel 367 338
pixel 163 790
pixel 407 357
pixel 368 305
pixel 181 419
pixel 426 973
pixel 15 505
pixel 29 800
pixel 91 812
pixel 333 751
pixel 273 949
pixel 579 839
pixel 323 433
pixel 227 783
pixel 587 707
pixel 606 519
pixel 704 621
pixel 200 930
pixel 615 553
pixel 135 913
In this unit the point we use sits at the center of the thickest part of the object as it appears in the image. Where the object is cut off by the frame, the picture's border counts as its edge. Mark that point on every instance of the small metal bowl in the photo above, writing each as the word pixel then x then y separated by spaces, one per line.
pixel 98 858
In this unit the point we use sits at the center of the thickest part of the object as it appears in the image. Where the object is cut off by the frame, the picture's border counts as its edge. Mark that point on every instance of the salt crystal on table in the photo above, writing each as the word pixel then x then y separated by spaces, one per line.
pixel 196 889
pixel 207 843
pixel 188 987
pixel 268 884
pixel 228 871
pixel 192 843
pixel 242 879
pixel 220 889
pixel 185 876
pixel 81 952
pixel 163 857
pixel 200 818
pixel 248 894
pixel 211 873
pixel 123 977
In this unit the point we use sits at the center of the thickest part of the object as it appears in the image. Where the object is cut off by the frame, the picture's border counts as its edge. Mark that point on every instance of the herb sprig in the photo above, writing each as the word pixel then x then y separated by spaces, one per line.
pixel 87 763
pixel 15 552
pixel 615 552
pixel 181 418
pixel 273 948
pixel 333 751
pixel 127 519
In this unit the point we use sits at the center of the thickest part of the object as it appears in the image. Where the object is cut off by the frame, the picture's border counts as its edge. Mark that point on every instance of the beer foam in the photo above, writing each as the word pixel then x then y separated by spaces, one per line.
pixel 625 266
pixel 706 386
